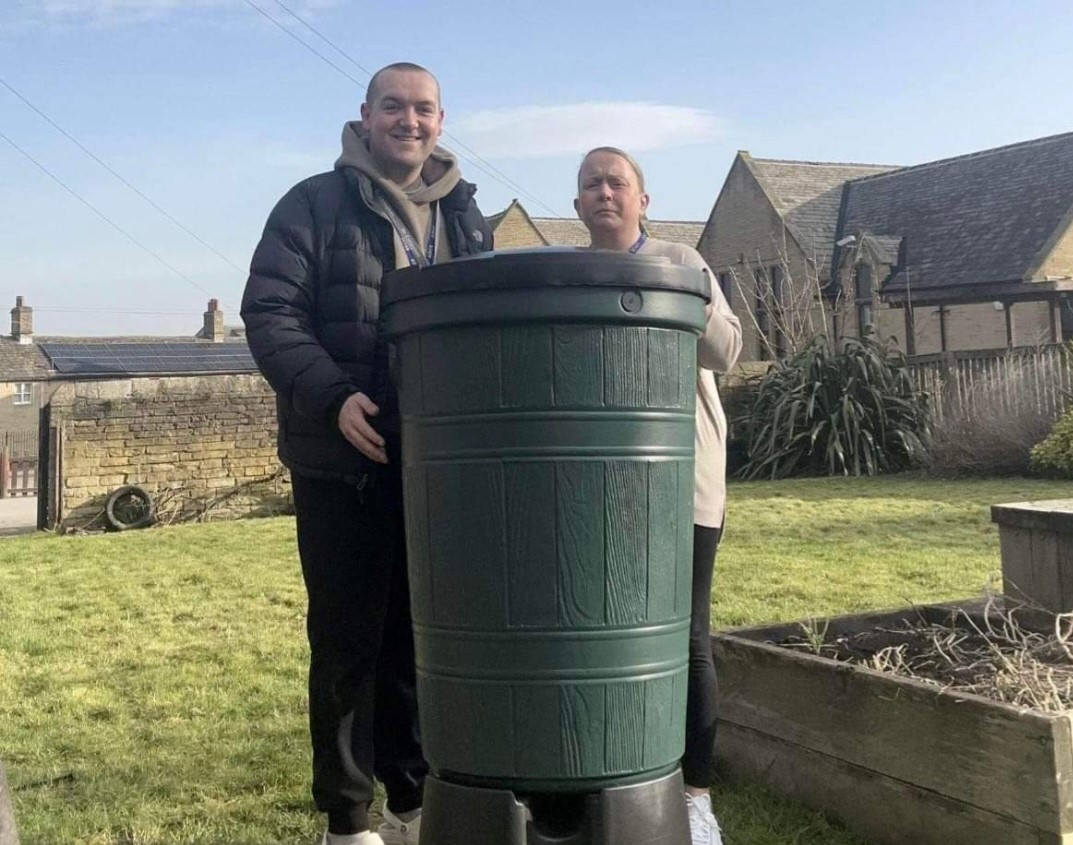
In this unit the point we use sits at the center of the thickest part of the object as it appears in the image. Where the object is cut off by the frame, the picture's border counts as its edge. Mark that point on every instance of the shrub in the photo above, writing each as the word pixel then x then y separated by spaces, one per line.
pixel 851 410
pixel 737 396
pixel 992 427
pixel 1055 453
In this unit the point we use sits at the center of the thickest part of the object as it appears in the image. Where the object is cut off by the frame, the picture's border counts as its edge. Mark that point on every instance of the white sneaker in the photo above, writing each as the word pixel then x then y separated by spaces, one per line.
pixel 703 828
pixel 394 831
pixel 366 837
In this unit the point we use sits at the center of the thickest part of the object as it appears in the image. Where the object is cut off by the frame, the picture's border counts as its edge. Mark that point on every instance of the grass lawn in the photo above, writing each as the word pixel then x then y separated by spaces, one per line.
pixel 152 684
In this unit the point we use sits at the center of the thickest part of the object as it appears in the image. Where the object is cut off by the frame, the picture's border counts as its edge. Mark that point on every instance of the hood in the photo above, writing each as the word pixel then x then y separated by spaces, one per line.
pixel 440 173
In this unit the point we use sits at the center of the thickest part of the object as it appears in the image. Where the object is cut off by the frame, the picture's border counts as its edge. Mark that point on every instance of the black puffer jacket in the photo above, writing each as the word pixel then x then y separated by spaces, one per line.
pixel 312 306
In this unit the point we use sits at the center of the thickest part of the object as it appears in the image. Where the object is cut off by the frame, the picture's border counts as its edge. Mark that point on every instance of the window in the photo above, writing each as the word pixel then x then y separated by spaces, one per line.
pixel 724 286
pixel 862 289
pixel 763 320
pixel 1065 316
pixel 24 393
pixel 776 303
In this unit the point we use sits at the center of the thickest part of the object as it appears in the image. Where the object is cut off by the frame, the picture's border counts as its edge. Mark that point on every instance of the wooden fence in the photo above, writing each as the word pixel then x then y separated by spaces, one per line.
pixel 989 381
pixel 18 463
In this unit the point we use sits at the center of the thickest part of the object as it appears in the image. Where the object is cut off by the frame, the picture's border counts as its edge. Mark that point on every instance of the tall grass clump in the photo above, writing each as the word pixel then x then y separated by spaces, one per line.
pixel 991 428
pixel 853 409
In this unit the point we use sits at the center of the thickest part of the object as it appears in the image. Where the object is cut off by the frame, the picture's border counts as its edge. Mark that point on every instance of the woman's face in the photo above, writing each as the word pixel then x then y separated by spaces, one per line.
pixel 609 198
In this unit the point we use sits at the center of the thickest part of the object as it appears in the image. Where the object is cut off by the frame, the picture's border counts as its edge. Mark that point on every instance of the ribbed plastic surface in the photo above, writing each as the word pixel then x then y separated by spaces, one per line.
pixel 548 434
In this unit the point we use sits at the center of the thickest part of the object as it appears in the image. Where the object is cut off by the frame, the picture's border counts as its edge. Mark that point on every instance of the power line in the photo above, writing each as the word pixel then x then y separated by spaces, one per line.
pixel 57 309
pixel 474 158
pixel 490 167
pixel 88 152
pixel 101 214
pixel 309 47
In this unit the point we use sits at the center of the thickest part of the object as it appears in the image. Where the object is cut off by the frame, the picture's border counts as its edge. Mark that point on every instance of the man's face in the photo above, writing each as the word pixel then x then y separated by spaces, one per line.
pixel 404 122
pixel 609 197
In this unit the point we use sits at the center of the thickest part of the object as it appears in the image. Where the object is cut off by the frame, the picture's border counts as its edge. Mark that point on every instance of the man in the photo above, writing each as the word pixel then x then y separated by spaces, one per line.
pixel 311 308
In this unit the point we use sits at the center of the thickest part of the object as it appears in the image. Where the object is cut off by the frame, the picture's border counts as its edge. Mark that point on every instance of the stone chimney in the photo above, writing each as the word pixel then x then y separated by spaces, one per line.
pixel 214 323
pixel 22 322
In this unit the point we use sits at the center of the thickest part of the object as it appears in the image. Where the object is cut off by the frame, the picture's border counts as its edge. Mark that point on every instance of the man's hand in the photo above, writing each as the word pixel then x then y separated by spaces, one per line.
pixel 354 424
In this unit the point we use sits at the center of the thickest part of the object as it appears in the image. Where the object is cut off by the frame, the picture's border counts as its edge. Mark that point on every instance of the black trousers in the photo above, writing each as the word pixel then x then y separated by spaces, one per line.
pixel 703 690
pixel 362 697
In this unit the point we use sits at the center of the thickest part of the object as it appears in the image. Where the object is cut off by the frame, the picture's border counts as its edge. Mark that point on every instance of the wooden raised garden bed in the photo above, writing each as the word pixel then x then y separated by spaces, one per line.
pixel 896 759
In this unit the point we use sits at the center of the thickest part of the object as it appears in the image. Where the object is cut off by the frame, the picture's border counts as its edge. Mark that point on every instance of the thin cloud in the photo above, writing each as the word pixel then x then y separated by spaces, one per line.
pixel 539 131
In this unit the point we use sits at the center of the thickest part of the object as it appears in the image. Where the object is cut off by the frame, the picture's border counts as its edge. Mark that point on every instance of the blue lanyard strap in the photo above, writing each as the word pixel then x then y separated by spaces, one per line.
pixel 640 242
pixel 408 243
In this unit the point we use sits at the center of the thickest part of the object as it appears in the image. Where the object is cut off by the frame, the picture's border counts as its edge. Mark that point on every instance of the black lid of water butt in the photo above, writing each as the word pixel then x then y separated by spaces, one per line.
pixel 545 267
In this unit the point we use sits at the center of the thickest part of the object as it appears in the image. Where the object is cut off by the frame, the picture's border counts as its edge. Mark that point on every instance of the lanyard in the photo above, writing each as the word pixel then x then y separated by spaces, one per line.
pixel 640 242
pixel 407 239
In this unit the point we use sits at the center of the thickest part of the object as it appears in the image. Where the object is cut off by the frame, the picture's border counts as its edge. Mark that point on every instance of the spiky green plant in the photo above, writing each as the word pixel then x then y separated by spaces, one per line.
pixel 850 410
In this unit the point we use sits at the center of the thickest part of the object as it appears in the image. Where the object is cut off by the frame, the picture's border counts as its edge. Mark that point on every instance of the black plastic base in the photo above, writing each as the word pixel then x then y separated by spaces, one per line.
pixel 652 813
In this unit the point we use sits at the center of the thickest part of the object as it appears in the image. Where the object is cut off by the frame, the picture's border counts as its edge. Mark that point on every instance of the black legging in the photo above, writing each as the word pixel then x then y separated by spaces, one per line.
pixel 703 688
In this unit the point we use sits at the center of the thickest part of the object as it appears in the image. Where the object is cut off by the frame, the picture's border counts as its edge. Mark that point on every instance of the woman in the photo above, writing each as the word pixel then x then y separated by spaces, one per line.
pixel 611 202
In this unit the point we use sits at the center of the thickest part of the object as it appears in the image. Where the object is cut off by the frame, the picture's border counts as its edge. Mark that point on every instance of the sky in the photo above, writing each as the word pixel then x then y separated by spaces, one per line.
pixel 144 142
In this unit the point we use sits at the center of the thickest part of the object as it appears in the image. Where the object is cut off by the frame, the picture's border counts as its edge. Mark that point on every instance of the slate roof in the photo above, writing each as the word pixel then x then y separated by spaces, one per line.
pixel 571 232
pixel 686 232
pixel 562 231
pixel 231 333
pixel 986 217
pixel 22 361
pixel 807 195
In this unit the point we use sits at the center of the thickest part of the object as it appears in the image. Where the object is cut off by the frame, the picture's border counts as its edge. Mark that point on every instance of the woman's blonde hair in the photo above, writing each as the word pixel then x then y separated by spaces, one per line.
pixel 625 156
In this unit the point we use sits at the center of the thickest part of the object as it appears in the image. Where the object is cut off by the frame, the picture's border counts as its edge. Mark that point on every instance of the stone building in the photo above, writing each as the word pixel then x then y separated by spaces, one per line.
pixel 188 419
pixel 514 228
pixel 24 374
pixel 972 252
pixel 30 375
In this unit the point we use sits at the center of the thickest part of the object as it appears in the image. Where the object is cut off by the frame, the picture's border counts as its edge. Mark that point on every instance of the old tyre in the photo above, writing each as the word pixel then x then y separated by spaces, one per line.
pixel 128 507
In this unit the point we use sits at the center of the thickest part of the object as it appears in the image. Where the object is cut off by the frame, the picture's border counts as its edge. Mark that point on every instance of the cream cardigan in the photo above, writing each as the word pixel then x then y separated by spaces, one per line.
pixel 717 352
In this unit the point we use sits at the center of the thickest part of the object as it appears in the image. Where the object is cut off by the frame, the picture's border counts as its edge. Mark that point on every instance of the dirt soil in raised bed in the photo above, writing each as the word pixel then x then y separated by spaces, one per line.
pixel 987 654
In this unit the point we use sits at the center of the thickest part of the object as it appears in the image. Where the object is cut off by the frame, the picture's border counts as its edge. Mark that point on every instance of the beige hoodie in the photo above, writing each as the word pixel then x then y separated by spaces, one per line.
pixel 440 175
pixel 717 351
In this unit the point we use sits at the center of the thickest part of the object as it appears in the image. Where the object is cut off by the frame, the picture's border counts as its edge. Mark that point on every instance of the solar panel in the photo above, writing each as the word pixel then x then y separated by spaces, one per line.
pixel 156 357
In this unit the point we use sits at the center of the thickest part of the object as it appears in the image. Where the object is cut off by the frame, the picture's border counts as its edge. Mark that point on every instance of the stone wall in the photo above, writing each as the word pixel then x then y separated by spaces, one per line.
pixel 516 230
pixel 1059 263
pixel 203 447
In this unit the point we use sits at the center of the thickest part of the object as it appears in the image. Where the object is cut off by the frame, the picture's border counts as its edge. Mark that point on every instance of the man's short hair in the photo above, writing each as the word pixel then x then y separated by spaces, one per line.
pixel 371 92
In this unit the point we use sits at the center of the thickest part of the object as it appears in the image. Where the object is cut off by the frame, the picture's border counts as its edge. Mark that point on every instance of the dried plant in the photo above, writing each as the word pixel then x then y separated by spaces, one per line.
pixel 796 306
pixel 989 426
pixel 174 505
pixel 984 653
